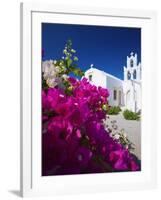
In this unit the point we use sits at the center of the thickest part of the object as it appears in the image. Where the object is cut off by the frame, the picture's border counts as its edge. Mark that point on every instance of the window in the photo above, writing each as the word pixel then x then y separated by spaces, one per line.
pixel 119 98
pixel 128 76
pixel 134 74
pixel 90 77
pixel 114 94
pixel 131 63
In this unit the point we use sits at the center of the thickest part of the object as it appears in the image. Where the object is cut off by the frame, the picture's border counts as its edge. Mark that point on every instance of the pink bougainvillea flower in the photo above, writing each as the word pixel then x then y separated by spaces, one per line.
pixel 74 138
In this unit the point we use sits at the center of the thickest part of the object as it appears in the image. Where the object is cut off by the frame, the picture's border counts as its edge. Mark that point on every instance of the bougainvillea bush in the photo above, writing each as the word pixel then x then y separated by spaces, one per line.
pixel 74 139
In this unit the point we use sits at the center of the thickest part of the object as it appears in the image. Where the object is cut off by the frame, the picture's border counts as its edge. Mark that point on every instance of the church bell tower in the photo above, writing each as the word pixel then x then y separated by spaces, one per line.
pixel 133 69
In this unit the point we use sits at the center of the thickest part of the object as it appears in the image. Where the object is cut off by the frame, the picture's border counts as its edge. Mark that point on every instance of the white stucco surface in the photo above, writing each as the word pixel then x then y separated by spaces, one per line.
pixel 124 93
pixel 132 129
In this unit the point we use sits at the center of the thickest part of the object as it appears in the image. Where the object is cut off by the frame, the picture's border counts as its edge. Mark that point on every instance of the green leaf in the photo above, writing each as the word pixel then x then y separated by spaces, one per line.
pixel 69 62
pixel 75 58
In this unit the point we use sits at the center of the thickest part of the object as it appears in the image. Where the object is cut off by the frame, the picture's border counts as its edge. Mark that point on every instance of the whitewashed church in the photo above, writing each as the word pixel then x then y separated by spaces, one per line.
pixel 124 93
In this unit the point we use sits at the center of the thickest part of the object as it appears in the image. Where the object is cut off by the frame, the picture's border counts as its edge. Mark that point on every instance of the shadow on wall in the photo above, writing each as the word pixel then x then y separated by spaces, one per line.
pixel 15 192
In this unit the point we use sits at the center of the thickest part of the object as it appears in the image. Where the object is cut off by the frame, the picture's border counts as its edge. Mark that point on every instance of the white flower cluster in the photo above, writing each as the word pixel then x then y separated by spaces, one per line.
pixel 51 73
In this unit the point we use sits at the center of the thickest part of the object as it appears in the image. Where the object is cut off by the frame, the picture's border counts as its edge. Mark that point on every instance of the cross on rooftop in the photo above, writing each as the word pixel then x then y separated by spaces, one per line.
pixel 131 53
pixel 92 65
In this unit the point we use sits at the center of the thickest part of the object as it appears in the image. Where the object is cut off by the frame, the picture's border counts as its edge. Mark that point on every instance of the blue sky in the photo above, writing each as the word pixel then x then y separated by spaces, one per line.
pixel 105 47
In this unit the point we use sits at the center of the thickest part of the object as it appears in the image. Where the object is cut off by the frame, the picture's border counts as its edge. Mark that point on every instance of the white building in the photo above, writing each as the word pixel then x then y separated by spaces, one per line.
pixel 124 93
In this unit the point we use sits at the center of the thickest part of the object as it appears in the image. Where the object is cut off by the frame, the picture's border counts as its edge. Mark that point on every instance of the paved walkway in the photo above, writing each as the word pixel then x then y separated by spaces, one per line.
pixel 132 129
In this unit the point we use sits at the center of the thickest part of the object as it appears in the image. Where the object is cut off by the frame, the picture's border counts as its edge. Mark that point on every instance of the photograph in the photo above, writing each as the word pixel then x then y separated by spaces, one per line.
pixel 91 104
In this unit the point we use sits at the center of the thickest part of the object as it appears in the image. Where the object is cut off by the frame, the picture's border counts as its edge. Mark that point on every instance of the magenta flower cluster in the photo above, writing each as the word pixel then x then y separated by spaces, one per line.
pixel 74 140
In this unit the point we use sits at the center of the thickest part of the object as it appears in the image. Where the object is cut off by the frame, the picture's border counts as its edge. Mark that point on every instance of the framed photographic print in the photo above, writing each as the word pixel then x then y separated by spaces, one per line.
pixel 87 99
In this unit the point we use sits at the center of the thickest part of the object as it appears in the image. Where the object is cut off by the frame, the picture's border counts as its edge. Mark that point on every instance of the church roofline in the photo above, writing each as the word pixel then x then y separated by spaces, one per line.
pixel 113 76
pixel 110 75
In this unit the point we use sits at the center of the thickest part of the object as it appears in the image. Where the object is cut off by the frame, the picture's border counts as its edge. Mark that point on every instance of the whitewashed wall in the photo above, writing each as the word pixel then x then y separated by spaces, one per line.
pixel 100 78
pixel 132 95
pixel 117 85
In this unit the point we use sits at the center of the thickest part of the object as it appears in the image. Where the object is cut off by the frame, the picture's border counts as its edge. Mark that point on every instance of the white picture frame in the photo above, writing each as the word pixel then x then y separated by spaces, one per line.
pixel 32 183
